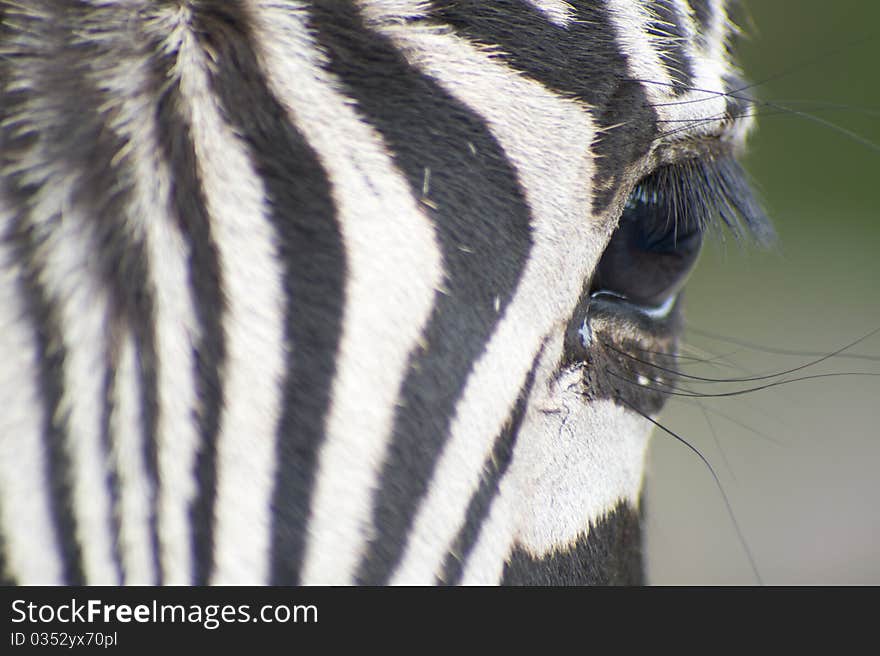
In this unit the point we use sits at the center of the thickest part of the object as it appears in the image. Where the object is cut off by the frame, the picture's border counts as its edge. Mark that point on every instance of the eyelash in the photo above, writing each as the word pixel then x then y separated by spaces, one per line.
pixel 660 232
pixel 703 195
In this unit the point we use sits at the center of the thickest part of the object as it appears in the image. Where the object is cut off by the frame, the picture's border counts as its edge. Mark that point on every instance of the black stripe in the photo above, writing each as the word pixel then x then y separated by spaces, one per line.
pixel 673 52
pixel 582 60
pixel 205 281
pixel 482 225
pixel 42 315
pixel 79 140
pixel 122 257
pixel 39 312
pixel 111 481
pixel 493 471
pixel 609 554
pixel 311 250
pixel 703 15
pixel 7 577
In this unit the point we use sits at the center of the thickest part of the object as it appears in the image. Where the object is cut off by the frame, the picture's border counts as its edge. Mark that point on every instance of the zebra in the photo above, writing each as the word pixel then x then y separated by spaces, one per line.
pixel 350 292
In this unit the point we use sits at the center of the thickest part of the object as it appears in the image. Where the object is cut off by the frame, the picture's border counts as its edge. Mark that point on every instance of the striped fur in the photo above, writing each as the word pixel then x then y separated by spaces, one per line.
pixel 286 287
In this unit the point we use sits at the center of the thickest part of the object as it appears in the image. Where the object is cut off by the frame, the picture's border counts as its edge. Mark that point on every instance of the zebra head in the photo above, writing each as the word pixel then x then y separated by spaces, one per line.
pixel 348 292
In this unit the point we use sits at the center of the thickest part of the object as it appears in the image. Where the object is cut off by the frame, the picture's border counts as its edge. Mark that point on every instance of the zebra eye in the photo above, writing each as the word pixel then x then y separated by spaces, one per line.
pixel 650 254
pixel 660 233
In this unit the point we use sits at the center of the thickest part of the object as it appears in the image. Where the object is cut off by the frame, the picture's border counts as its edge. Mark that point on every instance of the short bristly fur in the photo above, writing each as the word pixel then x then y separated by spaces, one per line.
pixel 303 292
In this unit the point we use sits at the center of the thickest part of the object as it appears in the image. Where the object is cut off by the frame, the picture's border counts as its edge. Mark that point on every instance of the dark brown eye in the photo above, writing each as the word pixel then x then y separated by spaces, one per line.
pixel 658 238
pixel 650 255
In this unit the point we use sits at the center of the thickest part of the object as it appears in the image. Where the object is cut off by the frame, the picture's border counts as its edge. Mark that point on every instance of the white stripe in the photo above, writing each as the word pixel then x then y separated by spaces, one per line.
pixel 723 31
pixel 562 479
pixel 26 520
pixel 393 267
pixel 135 487
pixel 253 322
pixel 573 463
pixel 73 286
pixel 558 12
pixel 175 325
pixel 708 69
pixel 699 111
pixel 702 105
pixel 548 140
pixel 485 564
pixel 630 23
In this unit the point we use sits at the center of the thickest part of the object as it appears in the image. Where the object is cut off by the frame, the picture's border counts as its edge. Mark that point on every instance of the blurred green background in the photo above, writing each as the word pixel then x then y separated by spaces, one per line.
pixel 800 463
